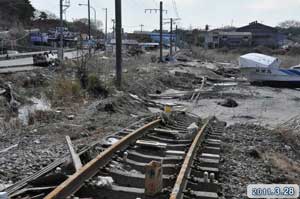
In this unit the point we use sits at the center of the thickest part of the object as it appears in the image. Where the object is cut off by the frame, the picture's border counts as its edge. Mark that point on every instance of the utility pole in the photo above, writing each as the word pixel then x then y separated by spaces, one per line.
pixel 61 53
pixel 176 38
pixel 142 27
pixel 172 21
pixel 89 19
pixel 171 38
pixel 118 12
pixel 161 10
pixel 161 33
pixel 95 12
pixel 105 9
pixel 113 21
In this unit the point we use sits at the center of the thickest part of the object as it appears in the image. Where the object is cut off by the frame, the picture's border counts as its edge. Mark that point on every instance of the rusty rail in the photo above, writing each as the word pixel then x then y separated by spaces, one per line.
pixel 180 184
pixel 76 181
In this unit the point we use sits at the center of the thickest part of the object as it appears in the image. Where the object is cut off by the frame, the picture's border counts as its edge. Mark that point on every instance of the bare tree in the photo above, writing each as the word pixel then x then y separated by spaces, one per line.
pixel 289 24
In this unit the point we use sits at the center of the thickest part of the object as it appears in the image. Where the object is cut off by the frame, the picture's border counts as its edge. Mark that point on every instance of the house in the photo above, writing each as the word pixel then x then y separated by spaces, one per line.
pixel 254 34
pixel 219 39
pixel 263 35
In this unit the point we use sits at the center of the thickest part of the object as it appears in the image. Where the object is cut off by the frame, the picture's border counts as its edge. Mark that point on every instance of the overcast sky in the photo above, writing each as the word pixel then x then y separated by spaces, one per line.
pixel 194 13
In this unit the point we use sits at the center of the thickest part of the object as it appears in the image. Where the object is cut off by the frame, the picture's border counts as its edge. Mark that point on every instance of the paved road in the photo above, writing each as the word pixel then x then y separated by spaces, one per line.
pixel 26 64
pixel 25 54
pixel 18 69
pixel 16 62
pixel 29 60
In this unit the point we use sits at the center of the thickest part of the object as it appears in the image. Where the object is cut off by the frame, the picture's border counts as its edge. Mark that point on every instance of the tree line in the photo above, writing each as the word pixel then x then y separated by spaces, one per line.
pixel 15 12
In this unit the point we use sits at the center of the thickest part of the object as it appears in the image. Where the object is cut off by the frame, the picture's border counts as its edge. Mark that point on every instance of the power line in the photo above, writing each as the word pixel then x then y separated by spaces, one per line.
pixel 175 8
pixel 156 3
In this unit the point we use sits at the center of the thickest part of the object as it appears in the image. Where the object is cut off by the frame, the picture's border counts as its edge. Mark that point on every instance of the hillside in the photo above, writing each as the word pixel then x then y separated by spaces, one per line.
pixel 15 12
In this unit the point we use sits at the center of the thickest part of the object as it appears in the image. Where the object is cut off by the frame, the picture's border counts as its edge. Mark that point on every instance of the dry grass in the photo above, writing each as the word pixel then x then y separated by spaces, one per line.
pixel 214 55
pixel 289 167
pixel 232 56
pixel 288 61
pixel 40 116
pixel 64 91
pixel 291 138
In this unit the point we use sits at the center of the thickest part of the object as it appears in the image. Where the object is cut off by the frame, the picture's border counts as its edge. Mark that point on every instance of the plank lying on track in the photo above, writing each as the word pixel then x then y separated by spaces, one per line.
pixel 76 181
pixel 183 174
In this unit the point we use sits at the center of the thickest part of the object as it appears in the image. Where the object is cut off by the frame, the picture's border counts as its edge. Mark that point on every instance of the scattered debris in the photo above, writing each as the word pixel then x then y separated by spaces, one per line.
pixel 106 107
pixel 71 117
pixel 102 109
pixel 103 182
pixel 193 128
pixel 10 97
pixel 37 141
pixel 183 56
pixel 253 152
pixel 228 103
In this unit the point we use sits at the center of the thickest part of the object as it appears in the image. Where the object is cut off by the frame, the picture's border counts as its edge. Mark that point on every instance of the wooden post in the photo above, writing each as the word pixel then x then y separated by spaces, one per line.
pixel 154 178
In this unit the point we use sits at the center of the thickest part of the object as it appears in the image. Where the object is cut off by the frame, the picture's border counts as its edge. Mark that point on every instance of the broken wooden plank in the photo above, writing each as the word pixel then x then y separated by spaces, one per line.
pixel 147 143
pixel 9 148
pixel 2 91
pixel 158 130
pixel 75 157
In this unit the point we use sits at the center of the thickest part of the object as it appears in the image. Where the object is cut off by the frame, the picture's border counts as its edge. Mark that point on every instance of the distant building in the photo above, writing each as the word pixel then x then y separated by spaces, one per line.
pixel 254 34
pixel 263 35
pixel 148 37
pixel 218 39
pixel 126 44
pixel 52 37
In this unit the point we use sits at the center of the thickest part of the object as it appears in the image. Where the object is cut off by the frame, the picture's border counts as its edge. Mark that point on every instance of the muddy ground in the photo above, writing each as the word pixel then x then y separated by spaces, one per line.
pixel 55 104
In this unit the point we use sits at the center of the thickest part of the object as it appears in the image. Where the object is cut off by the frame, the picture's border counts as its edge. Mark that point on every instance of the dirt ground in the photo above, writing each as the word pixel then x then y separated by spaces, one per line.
pixel 52 105
pixel 55 104
pixel 261 143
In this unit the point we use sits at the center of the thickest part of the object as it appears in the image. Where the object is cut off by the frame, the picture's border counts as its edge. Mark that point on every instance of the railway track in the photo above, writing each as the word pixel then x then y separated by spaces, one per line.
pixel 175 156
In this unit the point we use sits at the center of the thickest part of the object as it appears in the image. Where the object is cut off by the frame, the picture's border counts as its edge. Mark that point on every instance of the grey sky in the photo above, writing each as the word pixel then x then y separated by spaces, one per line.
pixel 195 13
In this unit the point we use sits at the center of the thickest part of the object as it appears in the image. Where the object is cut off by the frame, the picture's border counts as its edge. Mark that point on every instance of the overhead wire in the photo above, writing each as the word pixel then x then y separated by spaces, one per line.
pixel 175 8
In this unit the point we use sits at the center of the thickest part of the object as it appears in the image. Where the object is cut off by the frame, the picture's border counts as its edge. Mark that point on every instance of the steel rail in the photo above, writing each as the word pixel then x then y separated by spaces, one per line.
pixel 180 184
pixel 22 183
pixel 77 180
